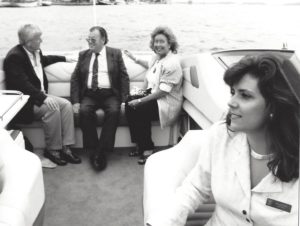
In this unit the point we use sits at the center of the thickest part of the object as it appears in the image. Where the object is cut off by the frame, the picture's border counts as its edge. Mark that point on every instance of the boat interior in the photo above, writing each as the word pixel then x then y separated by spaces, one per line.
pixel 125 193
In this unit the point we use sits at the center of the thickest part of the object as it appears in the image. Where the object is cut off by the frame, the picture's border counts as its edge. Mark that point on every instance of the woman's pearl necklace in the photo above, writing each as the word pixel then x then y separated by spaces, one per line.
pixel 257 156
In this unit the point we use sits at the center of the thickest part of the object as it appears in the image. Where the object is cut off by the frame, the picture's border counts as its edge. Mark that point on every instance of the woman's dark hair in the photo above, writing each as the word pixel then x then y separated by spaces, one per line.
pixel 282 125
pixel 167 32
pixel 102 32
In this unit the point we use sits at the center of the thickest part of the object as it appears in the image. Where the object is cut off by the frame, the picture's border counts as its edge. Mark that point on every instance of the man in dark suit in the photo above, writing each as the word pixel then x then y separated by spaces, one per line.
pixel 100 80
pixel 24 70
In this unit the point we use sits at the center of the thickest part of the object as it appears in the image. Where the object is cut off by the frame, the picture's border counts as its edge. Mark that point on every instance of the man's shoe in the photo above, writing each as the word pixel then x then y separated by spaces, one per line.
pixel 68 156
pixel 99 162
pixel 54 156
pixel 135 152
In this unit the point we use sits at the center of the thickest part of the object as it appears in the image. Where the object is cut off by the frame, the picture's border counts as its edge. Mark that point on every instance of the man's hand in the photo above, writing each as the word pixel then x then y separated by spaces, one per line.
pixel 51 103
pixel 76 108
pixel 70 59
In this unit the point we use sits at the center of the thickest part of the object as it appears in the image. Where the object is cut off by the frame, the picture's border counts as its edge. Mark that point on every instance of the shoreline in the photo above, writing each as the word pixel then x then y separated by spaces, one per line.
pixel 7 3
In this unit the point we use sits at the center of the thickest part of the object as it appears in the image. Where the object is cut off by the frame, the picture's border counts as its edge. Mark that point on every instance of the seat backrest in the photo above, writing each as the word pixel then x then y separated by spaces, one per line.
pixel 59 74
pixel 205 93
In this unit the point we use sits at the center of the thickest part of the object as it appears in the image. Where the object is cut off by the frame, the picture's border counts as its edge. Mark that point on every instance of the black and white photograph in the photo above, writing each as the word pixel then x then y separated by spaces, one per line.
pixel 149 112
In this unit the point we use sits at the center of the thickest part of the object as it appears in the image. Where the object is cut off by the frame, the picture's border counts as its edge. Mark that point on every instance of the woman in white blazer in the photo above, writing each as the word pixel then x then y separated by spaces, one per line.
pixel 249 163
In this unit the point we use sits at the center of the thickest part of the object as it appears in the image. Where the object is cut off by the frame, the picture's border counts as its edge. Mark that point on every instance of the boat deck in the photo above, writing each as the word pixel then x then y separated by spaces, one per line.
pixel 77 195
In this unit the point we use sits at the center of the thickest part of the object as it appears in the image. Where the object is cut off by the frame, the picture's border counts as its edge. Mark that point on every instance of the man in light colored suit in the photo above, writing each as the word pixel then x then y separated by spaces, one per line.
pixel 24 70
pixel 100 80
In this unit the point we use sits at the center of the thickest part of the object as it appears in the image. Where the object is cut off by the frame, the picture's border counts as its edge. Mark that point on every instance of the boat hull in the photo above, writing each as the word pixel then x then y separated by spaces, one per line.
pixel 19 4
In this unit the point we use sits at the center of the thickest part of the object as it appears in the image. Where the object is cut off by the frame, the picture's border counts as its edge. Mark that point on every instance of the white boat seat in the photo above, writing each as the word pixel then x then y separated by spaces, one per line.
pixel 59 76
pixel 22 195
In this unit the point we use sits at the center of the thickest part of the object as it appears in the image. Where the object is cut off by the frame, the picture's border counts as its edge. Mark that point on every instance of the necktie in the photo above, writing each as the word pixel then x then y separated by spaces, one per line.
pixel 95 73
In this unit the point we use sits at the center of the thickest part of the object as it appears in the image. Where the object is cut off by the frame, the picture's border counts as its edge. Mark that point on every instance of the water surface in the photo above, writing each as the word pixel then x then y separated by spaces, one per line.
pixel 199 27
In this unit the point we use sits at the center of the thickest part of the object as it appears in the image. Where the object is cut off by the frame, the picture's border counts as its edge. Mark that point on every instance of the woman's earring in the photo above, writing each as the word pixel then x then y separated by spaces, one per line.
pixel 271 116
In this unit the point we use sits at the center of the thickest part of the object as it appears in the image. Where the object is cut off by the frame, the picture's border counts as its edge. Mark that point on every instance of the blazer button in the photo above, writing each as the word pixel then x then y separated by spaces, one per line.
pixel 244 212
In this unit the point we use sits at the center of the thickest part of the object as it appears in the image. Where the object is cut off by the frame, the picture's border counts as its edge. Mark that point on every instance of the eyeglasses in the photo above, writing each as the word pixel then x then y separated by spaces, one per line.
pixel 91 40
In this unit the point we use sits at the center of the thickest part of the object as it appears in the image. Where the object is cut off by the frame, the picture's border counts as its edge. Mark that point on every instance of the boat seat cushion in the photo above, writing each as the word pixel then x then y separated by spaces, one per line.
pixel 100 120
pixel 22 194
pixel 59 76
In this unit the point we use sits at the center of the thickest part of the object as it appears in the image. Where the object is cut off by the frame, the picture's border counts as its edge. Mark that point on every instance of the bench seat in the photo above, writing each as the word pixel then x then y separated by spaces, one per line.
pixel 100 120
pixel 59 76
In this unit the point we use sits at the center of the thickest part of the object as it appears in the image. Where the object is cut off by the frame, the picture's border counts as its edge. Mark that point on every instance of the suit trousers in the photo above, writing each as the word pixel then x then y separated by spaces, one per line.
pixel 93 100
pixel 58 124
pixel 139 120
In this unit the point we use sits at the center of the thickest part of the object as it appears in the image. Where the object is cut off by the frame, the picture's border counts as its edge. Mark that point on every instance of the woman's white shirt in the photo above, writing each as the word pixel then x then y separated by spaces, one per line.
pixel 152 75
pixel 166 74
pixel 223 170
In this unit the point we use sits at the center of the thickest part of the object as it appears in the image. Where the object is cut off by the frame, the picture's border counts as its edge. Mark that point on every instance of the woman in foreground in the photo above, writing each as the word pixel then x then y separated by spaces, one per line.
pixel 249 163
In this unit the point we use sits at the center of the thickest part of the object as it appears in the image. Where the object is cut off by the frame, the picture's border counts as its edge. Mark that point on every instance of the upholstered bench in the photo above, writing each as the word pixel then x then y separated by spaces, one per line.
pixel 59 76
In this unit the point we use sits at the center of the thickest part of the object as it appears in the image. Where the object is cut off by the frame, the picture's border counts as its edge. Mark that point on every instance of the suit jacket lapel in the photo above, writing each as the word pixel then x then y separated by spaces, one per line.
pixel 28 60
pixel 242 163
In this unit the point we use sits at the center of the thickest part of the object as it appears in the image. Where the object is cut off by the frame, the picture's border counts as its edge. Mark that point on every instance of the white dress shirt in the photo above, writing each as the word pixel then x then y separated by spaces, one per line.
pixel 103 77
pixel 35 60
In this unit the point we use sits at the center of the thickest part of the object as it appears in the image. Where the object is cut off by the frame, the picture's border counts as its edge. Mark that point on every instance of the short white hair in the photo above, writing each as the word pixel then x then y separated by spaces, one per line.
pixel 27 31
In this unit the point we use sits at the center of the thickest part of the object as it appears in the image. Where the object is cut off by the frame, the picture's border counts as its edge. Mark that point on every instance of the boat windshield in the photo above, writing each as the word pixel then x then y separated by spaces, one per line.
pixel 228 58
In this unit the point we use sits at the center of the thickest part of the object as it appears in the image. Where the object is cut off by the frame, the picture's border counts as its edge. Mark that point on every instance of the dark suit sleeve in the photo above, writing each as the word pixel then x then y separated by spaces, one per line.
pixel 124 78
pixel 51 59
pixel 17 78
pixel 75 83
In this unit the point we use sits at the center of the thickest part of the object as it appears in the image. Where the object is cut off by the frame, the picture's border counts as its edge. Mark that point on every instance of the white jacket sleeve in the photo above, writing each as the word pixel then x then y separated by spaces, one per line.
pixel 195 190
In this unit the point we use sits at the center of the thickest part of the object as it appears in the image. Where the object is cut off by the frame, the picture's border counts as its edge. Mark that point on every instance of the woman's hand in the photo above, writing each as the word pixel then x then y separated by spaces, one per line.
pixel 130 55
pixel 134 103
pixel 141 62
